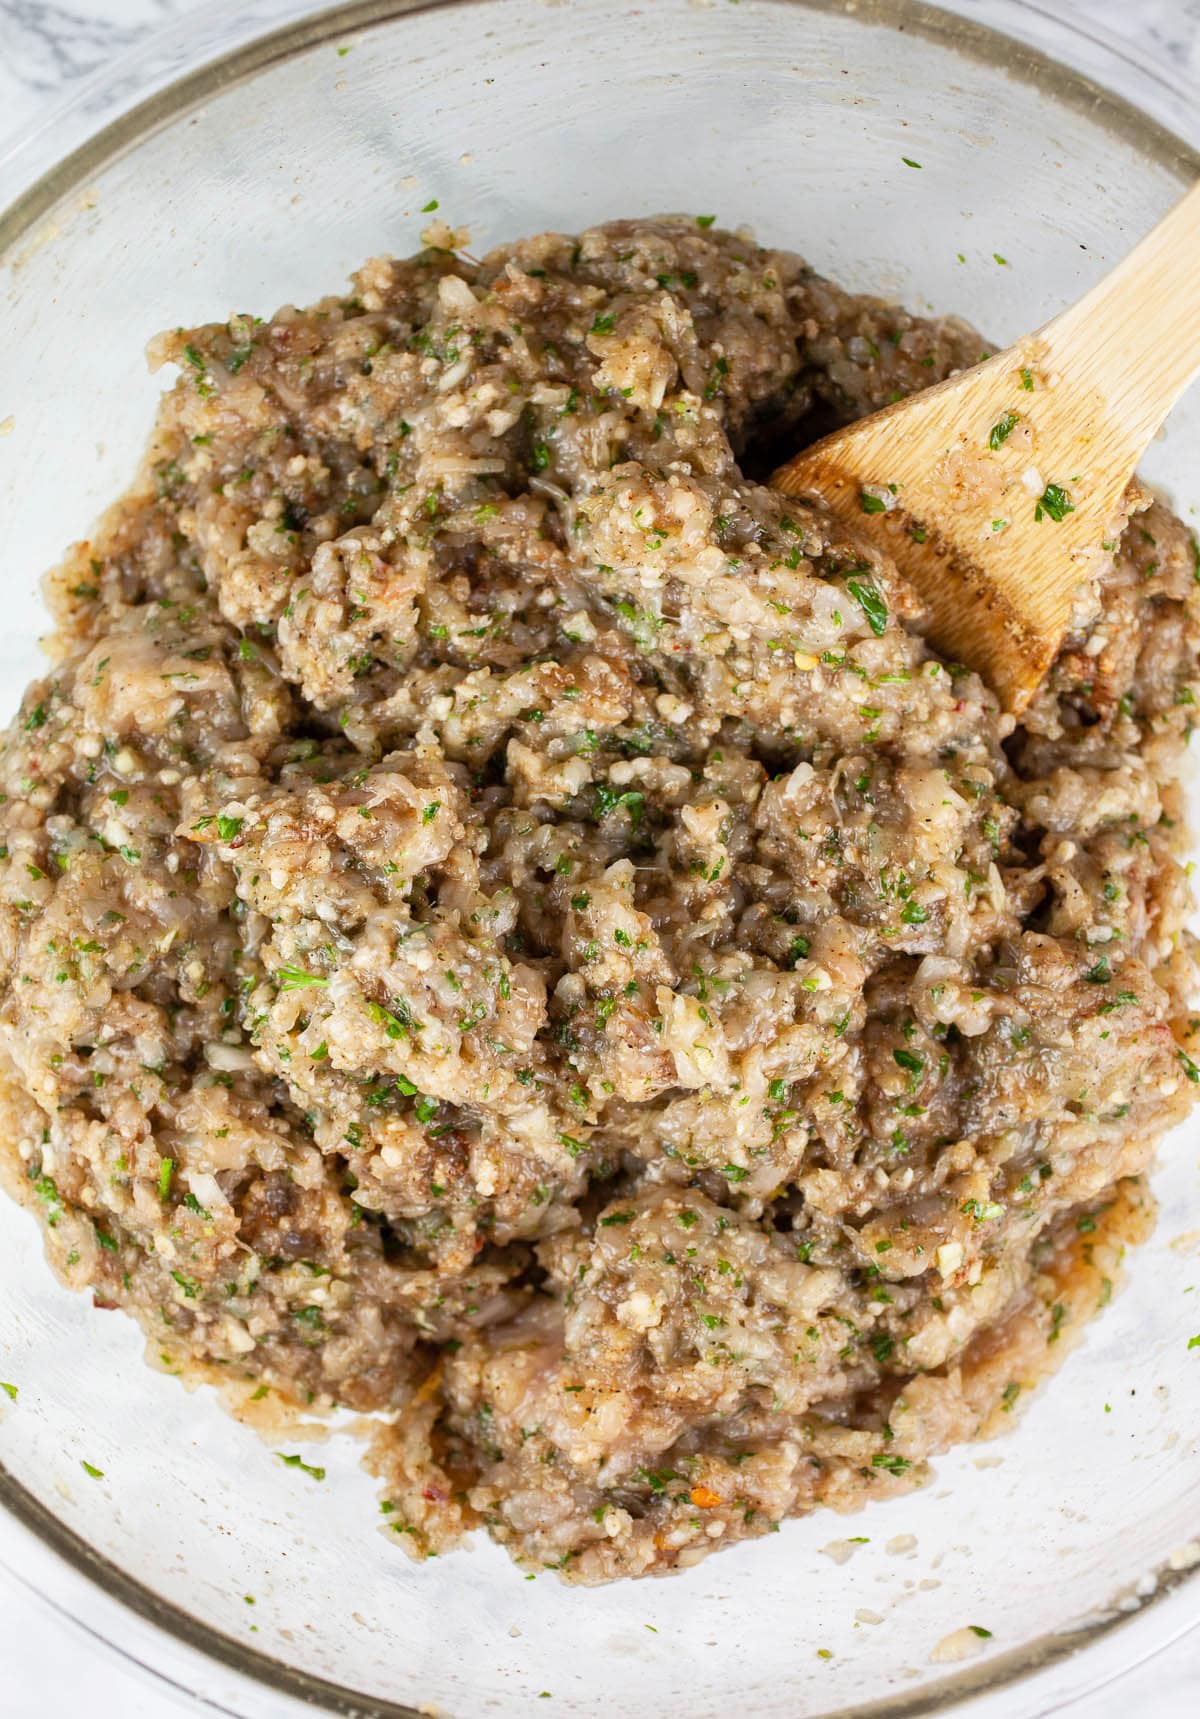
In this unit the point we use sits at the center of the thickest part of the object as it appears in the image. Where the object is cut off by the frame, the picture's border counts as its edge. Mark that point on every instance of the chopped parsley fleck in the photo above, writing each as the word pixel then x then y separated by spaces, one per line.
pixel 893 1463
pixel 869 599
pixel 1002 430
pixel 47 1192
pixel 298 1462
pixel 296 979
pixel 1055 503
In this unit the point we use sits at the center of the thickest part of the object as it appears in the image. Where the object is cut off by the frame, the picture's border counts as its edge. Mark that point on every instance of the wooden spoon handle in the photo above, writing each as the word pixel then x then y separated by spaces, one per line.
pixel 1133 342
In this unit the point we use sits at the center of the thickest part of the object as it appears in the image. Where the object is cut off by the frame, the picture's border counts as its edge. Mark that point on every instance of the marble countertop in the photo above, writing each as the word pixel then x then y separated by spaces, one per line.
pixel 45 46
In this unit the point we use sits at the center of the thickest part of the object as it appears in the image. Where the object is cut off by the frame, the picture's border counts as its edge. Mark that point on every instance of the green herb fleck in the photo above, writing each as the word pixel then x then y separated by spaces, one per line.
pixel 870 602
pixel 892 1463
pixel 1055 503
pixel 298 1462
pixel 296 979
pixel 1002 430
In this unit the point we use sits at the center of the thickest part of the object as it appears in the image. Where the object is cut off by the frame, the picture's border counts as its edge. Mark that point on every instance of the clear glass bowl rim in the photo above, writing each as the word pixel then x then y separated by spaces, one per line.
pixel 42 178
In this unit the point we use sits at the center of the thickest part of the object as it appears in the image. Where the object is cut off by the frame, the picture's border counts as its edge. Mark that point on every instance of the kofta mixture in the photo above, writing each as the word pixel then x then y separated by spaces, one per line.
pixel 509 928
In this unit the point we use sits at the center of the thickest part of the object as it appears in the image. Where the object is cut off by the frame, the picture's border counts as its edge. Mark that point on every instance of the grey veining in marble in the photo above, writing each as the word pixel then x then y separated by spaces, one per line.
pixel 1169 28
pixel 44 46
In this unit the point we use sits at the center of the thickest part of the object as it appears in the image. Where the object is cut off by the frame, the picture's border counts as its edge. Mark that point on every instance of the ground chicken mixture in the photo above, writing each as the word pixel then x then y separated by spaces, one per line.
pixel 507 927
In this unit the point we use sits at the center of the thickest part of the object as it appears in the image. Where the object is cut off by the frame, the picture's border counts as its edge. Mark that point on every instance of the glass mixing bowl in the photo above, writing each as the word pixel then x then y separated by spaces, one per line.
pixel 265 177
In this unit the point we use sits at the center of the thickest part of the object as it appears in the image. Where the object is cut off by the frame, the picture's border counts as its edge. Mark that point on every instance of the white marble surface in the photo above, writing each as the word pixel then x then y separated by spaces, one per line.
pixel 44 48
pixel 45 45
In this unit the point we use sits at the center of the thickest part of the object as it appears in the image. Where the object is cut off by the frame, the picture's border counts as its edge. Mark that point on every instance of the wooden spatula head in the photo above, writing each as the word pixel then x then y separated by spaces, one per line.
pixel 992 508
pixel 999 491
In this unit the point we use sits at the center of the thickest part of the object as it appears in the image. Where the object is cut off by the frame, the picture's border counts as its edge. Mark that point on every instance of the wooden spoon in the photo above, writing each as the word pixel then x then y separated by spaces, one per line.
pixel 998 491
